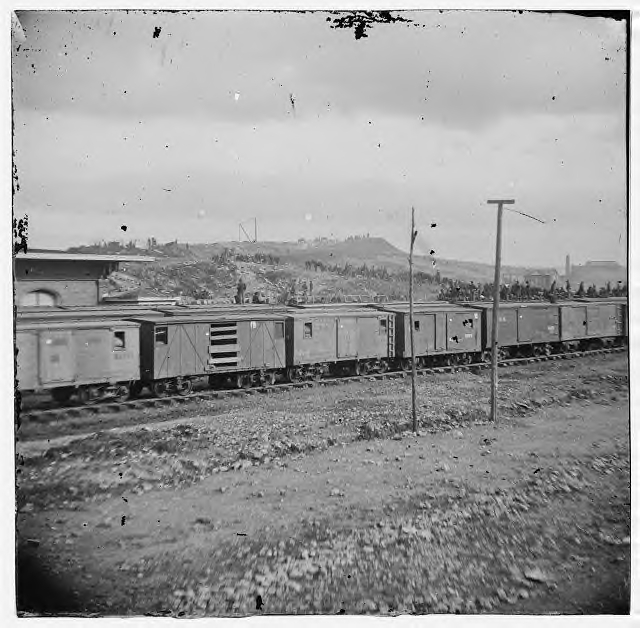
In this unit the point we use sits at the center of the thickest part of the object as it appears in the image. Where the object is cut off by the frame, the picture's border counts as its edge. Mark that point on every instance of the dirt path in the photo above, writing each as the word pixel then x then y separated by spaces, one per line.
pixel 532 516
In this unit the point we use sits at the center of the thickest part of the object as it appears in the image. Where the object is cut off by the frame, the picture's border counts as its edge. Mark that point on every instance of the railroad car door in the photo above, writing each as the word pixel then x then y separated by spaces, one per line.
pixel 462 331
pixel 381 348
pixel 441 332
pixel 538 324
pixel 371 338
pixel 125 353
pixel 602 320
pixel 273 333
pixel 507 327
pixel 57 363
pixel 167 351
pixel 27 360
pixel 253 349
pixel 347 336
pixel 574 322
pixel 93 354
pixel 190 338
pixel 424 334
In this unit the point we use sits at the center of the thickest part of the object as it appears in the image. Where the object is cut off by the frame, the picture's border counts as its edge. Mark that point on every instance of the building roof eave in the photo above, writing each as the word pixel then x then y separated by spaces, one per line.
pixel 83 257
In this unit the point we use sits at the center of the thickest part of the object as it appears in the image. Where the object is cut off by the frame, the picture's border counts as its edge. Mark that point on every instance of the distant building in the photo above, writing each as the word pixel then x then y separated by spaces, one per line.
pixel 53 278
pixel 511 278
pixel 598 273
pixel 600 264
pixel 542 280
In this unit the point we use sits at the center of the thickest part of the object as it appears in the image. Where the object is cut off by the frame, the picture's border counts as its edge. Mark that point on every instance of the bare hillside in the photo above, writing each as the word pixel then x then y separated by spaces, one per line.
pixel 363 267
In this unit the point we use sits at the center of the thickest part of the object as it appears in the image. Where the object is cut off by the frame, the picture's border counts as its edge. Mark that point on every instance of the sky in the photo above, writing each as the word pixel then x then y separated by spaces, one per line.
pixel 226 116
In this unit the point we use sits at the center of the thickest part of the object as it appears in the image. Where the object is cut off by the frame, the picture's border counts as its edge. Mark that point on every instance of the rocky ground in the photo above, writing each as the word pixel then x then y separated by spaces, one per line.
pixel 320 501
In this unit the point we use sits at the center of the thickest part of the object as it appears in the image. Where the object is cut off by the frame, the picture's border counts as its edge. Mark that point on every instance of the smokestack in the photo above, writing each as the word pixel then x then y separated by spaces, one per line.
pixel 567 269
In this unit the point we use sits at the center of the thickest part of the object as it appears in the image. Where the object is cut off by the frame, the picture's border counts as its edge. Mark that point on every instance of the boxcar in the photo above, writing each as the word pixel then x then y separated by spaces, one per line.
pixel 442 332
pixel 522 327
pixel 618 315
pixel 356 339
pixel 592 322
pixel 174 350
pixel 89 358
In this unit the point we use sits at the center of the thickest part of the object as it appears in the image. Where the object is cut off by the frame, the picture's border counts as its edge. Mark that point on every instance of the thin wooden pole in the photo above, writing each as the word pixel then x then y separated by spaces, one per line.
pixel 495 312
pixel 414 233
pixel 495 322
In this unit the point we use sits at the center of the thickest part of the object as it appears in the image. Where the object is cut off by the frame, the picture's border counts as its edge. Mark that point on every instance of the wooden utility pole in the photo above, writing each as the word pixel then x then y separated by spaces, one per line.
pixel 414 233
pixel 496 304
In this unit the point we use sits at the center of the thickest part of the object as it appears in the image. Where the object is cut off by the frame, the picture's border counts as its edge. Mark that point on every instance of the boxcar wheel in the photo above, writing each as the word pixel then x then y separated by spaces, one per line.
pixel 243 381
pixel 185 387
pixel 122 393
pixel 159 389
pixel 84 395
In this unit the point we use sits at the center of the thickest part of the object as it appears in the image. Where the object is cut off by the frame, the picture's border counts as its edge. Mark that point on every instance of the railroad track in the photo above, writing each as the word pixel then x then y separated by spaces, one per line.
pixel 53 414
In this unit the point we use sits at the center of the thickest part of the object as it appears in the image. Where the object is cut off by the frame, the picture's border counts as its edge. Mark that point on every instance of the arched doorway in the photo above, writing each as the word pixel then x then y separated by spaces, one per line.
pixel 38 298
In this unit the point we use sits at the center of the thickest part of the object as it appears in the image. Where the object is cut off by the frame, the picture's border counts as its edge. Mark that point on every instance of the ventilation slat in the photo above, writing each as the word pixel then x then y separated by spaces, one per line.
pixel 224 361
pixel 221 349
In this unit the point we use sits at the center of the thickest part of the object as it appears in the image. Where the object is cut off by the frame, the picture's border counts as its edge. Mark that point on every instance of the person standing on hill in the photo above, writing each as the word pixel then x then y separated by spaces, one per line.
pixel 242 288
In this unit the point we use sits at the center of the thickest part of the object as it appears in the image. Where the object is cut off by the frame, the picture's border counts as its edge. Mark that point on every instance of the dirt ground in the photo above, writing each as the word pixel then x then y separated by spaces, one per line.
pixel 319 501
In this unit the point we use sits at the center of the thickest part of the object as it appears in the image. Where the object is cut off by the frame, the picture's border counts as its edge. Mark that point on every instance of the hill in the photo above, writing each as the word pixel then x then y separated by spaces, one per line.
pixel 357 267
pixel 374 252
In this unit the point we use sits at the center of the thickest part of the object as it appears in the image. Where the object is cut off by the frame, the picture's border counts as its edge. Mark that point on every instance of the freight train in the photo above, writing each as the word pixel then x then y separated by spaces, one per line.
pixel 109 352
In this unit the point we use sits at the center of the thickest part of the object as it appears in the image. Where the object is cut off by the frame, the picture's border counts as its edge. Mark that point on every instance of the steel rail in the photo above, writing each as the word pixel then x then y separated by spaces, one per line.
pixel 106 407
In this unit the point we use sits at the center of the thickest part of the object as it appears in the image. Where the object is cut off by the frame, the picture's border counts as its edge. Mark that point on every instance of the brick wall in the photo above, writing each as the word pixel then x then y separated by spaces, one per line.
pixel 66 292
pixel 61 270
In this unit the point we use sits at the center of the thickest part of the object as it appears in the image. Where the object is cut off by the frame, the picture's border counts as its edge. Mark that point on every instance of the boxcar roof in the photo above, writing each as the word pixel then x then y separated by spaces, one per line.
pixel 513 304
pixel 86 324
pixel 213 317
pixel 320 312
pixel 83 313
pixel 423 308
pixel 337 306
pixel 602 299
pixel 180 310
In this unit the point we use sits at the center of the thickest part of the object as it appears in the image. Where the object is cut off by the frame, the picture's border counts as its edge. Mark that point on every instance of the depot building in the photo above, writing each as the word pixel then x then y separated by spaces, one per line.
pixel 56 279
